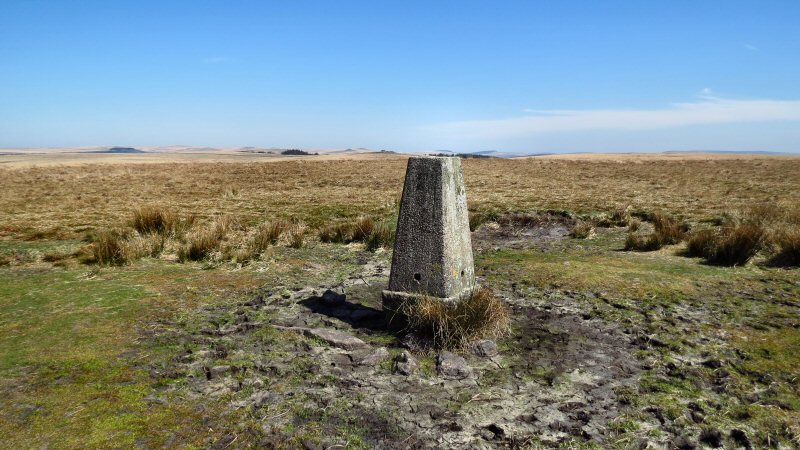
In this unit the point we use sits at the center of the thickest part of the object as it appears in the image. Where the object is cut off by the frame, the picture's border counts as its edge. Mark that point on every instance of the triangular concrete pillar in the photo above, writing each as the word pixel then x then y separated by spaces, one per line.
pixel 433 246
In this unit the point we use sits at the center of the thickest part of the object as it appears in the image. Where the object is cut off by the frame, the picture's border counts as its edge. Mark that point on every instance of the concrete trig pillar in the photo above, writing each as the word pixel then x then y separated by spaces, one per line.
pixel 433 246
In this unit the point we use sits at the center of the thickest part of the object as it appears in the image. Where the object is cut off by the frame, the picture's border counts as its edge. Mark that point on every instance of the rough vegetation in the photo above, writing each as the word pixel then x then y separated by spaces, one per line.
pixel 274 338
pixel 480 315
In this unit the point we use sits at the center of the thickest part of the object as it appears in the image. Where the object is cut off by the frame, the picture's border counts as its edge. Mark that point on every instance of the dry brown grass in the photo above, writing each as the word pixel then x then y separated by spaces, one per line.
pixel 362 228
pixel 267 234
pixel 788 249
pixel 108 248
pixel 297 234
pixel 583 229
pixel 667 231
pixel 740 236
pixel 100 196
pixel 480 315
pixel 155 220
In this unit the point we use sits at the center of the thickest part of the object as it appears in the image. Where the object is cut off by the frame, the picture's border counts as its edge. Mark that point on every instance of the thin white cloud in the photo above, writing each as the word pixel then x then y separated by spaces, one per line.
pixel 751 47
pixel 707 110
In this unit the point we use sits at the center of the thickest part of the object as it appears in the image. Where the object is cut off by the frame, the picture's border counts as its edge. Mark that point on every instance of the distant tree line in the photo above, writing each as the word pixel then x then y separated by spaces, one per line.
pixel 297 152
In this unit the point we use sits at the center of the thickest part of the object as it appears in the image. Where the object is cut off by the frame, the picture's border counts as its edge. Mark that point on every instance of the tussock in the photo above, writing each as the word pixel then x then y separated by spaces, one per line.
pixel 788 249
pixel 583 229
pixel 481 315
pixel 107 248
pixel 297 234
pixel 667 231
pixel 267 234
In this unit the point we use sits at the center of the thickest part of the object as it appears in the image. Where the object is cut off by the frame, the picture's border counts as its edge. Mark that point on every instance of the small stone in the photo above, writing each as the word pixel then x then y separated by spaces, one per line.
pixel 485 348
pixel 375 357
pixel 712 437
pixel 333 298
pixel 452 366
pixel 336 338
pixel 405 363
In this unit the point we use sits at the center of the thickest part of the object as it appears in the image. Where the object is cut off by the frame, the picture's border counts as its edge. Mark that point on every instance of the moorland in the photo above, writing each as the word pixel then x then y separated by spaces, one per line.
pixel 155 301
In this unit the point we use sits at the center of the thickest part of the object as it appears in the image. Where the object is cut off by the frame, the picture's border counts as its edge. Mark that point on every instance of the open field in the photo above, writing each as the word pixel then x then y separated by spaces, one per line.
pixel 607 349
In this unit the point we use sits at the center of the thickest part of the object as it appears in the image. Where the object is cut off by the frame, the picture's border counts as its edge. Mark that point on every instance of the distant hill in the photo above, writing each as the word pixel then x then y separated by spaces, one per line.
pixel 119 150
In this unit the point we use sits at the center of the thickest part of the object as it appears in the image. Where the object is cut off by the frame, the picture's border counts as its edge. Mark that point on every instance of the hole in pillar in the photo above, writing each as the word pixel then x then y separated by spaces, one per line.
pixel 417 276
pixel 462 273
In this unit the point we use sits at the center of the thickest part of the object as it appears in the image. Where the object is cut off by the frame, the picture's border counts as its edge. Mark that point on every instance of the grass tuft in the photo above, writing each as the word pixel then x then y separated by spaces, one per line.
pixel 200 244
pixel 267 234
pixel 788 249
pixel 583 229
pixel 667 231
pixel 382 236
pixel 297 234
pixel 362 229
pixel 480 315
pixel 337 233
pixel 108 248
pixel 154 220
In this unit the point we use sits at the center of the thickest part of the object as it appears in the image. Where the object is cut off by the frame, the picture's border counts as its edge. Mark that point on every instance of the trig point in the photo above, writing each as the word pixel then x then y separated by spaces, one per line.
pixel 433 247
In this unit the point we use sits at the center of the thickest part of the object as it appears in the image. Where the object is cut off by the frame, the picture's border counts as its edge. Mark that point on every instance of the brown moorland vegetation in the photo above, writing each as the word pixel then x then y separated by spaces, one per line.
pixel 68 201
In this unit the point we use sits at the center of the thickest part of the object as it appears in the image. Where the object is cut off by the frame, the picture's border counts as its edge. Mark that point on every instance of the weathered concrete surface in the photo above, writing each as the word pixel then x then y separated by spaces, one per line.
pixel 433 247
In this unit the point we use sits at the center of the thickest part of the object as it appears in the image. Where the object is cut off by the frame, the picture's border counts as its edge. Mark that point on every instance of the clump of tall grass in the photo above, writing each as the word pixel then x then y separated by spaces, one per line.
pixel 336 233
pixel 267 234
pixel 617 217
pixel 375 234
pixel 207 240
pixel 382 236
pixel 454 326
pixel 108 248
pixel 362 229
pixel 138 246
pixel 788 249
pixel 735 243
pixel 583 229
pixel 297 234
pixel 667 231
pixel 200 244
pixel 154 220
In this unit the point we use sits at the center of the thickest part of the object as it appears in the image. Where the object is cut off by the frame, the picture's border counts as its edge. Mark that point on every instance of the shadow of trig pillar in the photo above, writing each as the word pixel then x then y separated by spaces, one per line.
pixel 433 247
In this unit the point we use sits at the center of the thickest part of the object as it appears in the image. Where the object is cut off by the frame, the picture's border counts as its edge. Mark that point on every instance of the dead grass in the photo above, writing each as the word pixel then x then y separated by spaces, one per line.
pixel 583 229
pixel 101 196
pixel 297 234
pixel 375 234
pixel 382 236
pixel 108 248
pixel 201 244
pixel 740 236
pixel 155 220
pixel 267 234
pixel 788 249
pixel 666 231
pixel 481 315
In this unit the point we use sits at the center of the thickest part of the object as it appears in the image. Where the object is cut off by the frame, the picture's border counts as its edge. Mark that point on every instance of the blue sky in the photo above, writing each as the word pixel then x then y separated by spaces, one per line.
pixel 466 76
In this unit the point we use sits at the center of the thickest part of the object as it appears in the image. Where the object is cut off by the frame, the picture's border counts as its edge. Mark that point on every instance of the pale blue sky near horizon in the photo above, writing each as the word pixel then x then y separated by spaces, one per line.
pixel 523 76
